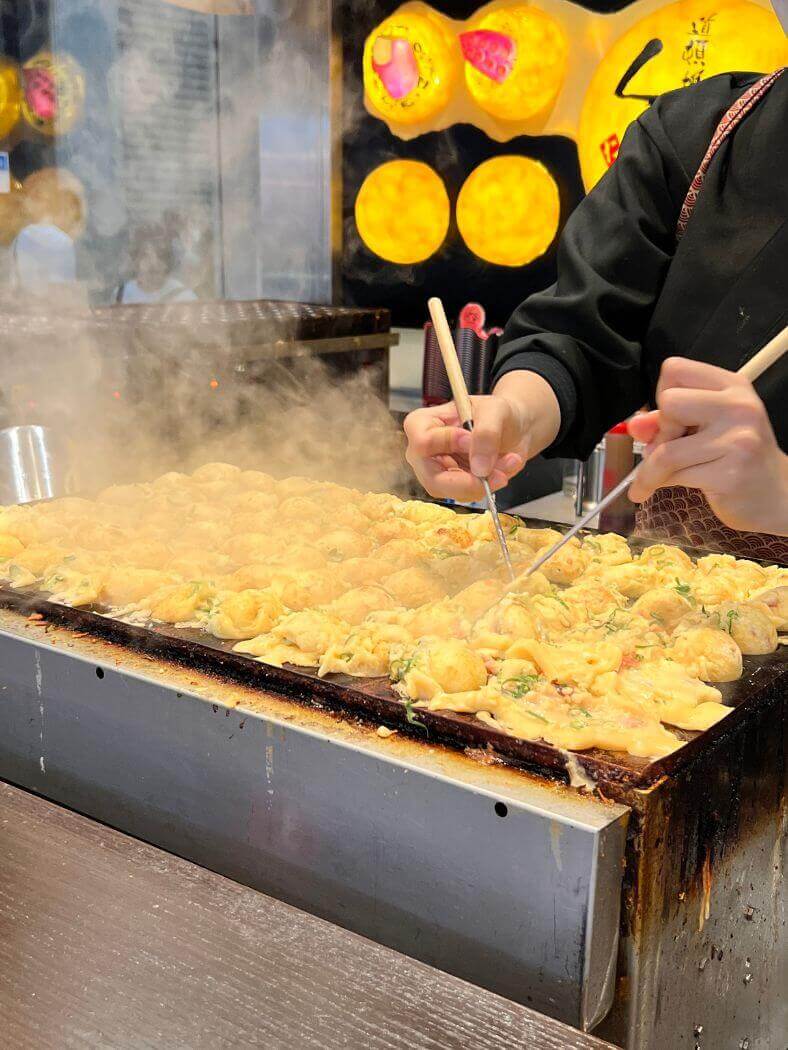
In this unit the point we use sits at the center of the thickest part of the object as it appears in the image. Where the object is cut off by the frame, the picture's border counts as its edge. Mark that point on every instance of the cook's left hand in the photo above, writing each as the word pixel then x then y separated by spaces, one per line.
pixel 711 432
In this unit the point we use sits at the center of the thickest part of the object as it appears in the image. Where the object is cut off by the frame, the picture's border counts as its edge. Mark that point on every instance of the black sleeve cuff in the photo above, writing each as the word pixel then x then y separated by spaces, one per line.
pixel 556 375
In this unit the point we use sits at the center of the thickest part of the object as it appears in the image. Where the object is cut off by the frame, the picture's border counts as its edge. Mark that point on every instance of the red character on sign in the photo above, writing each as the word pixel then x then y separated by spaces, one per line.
pixel 610 147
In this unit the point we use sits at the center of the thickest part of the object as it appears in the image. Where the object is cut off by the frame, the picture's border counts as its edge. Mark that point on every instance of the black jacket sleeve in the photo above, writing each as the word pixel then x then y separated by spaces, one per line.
pixel 584 334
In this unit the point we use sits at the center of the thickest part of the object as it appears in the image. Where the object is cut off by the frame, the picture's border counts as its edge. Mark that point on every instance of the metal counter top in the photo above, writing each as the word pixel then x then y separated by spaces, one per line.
pixel 110 942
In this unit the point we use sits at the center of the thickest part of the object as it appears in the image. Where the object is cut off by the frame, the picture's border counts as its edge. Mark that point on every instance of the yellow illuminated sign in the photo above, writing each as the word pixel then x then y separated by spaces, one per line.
pixel 534 50
pixel 402 211
pixel 508 210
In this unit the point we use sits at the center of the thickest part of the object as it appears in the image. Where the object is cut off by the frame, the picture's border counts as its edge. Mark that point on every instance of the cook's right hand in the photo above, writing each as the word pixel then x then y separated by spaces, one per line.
pixel 510 426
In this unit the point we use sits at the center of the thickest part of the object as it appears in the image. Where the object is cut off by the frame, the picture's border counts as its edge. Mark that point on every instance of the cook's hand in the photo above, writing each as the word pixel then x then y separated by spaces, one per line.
pixel 510 426
pixel 711 432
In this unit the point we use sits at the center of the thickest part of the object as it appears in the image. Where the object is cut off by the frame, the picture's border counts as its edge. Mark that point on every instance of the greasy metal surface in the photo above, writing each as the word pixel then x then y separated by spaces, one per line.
pixel 375 698
pixel 249 321
pixel 108 922
pixel 704 951
pixel 485 872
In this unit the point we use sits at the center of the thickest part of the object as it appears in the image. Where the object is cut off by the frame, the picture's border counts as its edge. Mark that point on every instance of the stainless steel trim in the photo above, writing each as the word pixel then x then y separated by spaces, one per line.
pixel 395 839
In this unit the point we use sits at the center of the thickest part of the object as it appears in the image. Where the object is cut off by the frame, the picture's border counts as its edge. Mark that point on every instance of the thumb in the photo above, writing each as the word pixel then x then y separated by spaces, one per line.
pixel 486 439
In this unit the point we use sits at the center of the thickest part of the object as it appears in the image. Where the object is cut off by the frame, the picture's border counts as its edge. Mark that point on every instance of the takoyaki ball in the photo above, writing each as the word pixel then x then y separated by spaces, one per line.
pixel 478 597
pixel 393 529
pixel 212 472
pixel 750 626
pixel 350 517
pixel 125 585
pixel 173 482
pixel 250 501
pixel 454 666
pixel 480 527
pixel 9 546
pixel 340 544
pixel 776 601
pixel 354 606
pixel 180 602
pixel 709 654
pixel 632 580
pixel 20 523
pixel 215 513
pixel 515 620
pixel 298 509
pixel 305 590
pixel 421 513
pixel 145 554
pixel 329 494
pixel 206 535
pixel 441 619
pixel 125 495
pixel 551 614
pixel 251 546
pixel 722 577
pixel 401 554
pixel 100 537
pixel 362 572
pixel 244 614
pixel 257 481
pixel 456 569
pixel 255 576
pixel 748 570
pixel 32 563
pixel 198 564
pixel 607 548
pixel 310 631
pixel 296 488
pixel 413 587
pixel 664 557
pixel 298 556
pixel 68 509
pixel 533 583
pixel 663 606
pixel 592 600
pixel 450 537
pixel 253 521
pixel 566 565
pixel 536 539
pixel 379 505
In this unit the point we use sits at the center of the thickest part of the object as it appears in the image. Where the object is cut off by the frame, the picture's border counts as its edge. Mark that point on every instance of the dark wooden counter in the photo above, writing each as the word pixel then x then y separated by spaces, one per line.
pixel 106 941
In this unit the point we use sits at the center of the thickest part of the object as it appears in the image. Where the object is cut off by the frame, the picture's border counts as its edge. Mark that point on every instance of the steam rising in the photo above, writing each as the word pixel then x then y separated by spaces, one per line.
pixel 130 408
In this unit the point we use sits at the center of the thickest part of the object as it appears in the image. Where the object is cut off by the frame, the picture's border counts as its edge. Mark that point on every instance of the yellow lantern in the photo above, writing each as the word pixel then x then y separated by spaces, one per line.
pixel 402 211
pixel 677 45
pixel 10 96
pixel 508 210
pixel 516 59
pixel 411 63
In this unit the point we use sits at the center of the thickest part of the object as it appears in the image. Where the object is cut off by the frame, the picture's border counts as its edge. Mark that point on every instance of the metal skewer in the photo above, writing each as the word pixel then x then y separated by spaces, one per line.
pixel 462 403
pixel 753 368
pixel 614 493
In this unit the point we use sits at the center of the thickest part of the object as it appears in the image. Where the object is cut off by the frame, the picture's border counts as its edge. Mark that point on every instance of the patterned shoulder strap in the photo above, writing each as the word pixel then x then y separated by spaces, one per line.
pixel 735 115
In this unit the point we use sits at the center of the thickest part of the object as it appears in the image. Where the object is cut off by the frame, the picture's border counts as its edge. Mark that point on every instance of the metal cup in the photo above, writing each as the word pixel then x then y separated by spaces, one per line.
pixel 32 465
